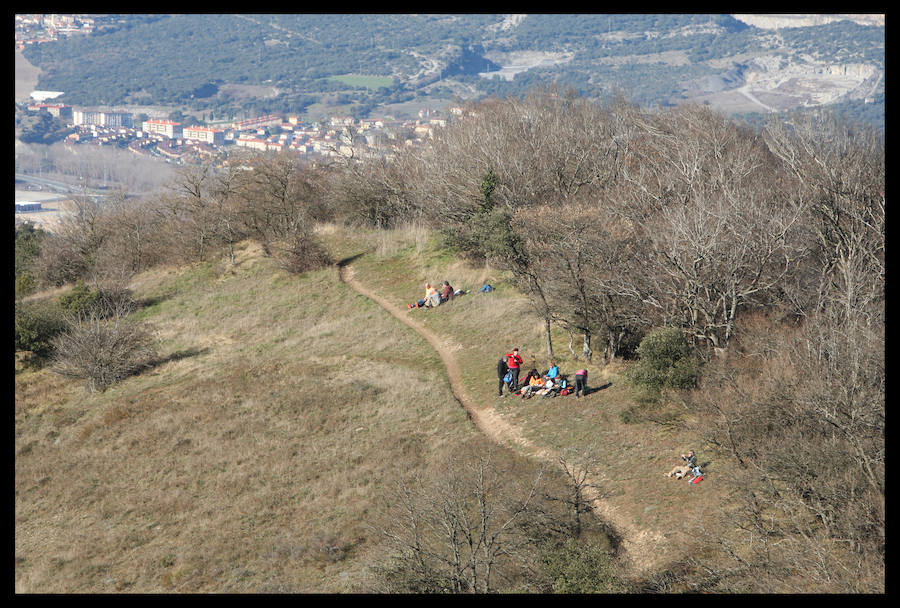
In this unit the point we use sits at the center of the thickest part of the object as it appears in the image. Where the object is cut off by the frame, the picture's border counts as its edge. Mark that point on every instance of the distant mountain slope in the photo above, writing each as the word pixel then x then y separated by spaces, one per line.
pixel 660 59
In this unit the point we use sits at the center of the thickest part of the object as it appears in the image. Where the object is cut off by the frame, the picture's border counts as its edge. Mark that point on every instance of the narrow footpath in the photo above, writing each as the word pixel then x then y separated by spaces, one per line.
pixel 640 550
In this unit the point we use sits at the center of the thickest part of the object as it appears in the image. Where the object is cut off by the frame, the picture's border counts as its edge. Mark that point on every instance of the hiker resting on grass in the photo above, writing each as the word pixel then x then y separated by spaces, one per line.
pixel 553 372
pixel 432 298
pixel 532 374
pixel 446 292
pixel 691 460
pixel 533 386
pixel 514 361
pixel 549 385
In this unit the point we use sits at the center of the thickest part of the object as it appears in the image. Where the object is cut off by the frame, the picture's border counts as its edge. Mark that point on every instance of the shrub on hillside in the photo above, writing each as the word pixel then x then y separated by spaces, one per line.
pixel 108 301
pixel 25 284
pixel 103 351
pixel 36 325
pixel 303 254
pixel 666 361
pixel 80 299
pixel 27 250
pixel 579 567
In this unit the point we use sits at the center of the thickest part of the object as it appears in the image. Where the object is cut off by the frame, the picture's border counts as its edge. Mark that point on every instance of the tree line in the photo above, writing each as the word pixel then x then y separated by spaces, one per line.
pixel 762 248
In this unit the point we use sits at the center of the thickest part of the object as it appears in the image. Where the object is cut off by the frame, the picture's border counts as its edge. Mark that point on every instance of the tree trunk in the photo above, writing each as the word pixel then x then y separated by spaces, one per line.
pixel 586 347
pixel 549 339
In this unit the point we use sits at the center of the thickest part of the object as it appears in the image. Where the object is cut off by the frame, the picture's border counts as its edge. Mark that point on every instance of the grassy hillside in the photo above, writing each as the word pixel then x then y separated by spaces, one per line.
pixel 647 508
pixel 248 461
pixel 253 458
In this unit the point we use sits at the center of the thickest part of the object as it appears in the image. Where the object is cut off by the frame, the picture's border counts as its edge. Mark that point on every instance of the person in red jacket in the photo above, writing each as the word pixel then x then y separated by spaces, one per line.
pixel 514 361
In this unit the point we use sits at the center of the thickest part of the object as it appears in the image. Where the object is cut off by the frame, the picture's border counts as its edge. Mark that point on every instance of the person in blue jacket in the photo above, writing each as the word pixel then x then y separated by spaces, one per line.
pixel 553 372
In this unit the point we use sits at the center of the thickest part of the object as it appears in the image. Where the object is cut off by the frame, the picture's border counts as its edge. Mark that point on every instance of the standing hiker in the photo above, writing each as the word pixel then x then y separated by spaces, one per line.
pixel 502 371
pixel 514 361
pixel 581 383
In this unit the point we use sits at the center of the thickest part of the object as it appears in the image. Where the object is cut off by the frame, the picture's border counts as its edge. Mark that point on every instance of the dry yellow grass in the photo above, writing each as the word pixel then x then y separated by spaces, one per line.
pixel 249 461
pixel 645 506
pixel 252 459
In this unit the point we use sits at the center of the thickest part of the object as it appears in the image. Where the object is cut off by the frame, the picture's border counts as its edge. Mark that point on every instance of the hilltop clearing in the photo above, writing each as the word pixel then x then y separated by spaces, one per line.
pixel 251 458
pixel 634 496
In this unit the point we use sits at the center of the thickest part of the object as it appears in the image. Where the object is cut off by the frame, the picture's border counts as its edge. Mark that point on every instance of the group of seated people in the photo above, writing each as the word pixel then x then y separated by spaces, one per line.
pixel 549 384
pixel 433 297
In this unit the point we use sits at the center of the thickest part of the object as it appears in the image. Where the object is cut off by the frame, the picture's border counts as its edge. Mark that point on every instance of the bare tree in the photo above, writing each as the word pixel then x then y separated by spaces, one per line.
pixel 462 532
pixel 581 252
pixel 580 466
pixel 137 231
pixel 103 350
pixel 281 200
pixel 841 169
pixel 190 211
pixel 716 219
pixel 75 246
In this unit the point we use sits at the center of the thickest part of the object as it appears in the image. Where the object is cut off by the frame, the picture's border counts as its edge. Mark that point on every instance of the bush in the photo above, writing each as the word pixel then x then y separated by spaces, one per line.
pixel 102 351
pixel 25 284
pixel 579 567
pixel 303 254
pixel 36 325
pixel 109 301
pixel 82 298
pixel 27 250
pixel 666 361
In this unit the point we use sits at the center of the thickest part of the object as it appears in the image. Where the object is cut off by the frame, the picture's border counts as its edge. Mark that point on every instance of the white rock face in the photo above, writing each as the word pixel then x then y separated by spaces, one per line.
pixel 771 22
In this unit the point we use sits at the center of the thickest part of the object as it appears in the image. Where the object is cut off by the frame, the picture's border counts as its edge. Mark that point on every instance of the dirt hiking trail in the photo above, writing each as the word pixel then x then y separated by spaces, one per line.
pixel 641 550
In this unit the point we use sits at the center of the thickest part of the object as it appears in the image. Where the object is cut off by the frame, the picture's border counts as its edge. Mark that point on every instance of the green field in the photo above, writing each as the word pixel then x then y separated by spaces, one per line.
pixel 358 80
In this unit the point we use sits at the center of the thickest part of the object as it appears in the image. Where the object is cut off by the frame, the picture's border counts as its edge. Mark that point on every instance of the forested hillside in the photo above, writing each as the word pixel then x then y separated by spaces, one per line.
pixel 657 59
pixel 728 282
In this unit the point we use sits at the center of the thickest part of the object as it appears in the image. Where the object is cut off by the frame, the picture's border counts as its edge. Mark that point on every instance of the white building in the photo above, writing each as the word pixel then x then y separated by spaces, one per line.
pixel 169 129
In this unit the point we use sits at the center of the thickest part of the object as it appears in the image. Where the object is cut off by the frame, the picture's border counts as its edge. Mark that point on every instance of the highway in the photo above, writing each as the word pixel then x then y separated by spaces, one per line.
pixel 54 185
pixel 67 189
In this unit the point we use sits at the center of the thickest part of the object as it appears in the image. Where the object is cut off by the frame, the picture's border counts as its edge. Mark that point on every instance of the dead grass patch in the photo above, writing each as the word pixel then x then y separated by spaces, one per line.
pixel 257 463
pixel 302 402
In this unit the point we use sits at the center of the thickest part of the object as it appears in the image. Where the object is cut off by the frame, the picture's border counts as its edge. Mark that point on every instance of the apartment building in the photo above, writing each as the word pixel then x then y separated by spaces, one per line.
pixel 103 119
pixel 206 135
pixel 255 123
pixel 251 142
pixel 61 111
pixel 117 119
pixel 87 117
pixel 167 128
